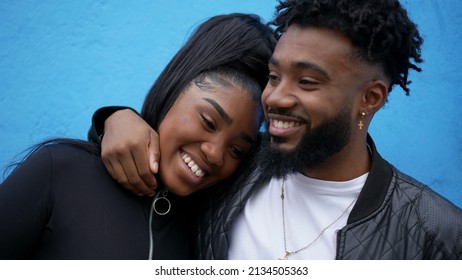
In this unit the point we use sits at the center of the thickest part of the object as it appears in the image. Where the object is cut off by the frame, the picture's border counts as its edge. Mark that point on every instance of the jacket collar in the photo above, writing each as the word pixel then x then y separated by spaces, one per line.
pixel 375 188
pixel 369 200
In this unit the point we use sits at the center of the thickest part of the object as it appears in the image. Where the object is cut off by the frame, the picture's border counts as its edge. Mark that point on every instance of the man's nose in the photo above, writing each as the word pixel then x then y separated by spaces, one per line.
pixel 280 96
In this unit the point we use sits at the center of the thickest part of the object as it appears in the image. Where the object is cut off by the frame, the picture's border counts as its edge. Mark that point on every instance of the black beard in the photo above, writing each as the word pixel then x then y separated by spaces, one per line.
pixel 314 148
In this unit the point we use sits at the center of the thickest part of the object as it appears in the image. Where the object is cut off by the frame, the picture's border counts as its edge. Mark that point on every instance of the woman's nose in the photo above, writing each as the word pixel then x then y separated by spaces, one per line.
pixel 213 152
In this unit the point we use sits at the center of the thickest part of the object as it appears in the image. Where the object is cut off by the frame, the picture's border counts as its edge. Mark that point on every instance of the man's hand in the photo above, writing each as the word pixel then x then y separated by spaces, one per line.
pixel 130 152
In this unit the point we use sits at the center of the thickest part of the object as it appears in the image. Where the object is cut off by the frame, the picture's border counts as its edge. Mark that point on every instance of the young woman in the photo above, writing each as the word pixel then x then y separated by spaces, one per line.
pixel 61 203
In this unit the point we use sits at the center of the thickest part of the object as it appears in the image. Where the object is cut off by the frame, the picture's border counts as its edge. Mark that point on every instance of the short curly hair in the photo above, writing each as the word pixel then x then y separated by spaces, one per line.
pixel 380 31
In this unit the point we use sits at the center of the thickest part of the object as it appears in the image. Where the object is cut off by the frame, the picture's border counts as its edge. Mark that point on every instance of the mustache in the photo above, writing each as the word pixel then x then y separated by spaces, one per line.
pixel 278 111
pixel 287 113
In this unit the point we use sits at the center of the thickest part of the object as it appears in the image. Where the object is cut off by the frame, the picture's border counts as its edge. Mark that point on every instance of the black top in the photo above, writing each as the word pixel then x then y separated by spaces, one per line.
pixel 62 204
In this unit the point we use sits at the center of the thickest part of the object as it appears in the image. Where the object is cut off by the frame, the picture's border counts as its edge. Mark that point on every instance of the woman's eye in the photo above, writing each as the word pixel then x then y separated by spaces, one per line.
pixel 237 153
pixel 209 124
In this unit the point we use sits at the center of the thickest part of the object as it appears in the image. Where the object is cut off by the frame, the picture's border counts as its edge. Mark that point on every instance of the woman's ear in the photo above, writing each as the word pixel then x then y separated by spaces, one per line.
pixel 374 97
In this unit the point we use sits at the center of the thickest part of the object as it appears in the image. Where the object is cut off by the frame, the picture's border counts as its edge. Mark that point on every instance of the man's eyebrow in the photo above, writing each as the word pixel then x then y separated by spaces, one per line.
pixel 310 66
pixel 303 65
pixel 273 61
pixel 228 120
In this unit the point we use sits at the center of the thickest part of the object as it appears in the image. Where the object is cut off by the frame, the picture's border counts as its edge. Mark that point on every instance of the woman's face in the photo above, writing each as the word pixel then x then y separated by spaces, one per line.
pixel 204 136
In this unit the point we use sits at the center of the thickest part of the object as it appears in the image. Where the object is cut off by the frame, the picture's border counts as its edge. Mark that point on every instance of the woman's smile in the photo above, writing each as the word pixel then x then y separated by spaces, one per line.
pixel 192 165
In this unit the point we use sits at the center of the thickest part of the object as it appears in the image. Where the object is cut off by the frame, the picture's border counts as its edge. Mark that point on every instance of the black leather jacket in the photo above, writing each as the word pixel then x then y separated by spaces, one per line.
pixel 395 217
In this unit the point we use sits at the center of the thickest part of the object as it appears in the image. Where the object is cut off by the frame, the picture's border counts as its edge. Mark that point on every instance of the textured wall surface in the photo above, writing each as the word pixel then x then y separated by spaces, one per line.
pixel 61 60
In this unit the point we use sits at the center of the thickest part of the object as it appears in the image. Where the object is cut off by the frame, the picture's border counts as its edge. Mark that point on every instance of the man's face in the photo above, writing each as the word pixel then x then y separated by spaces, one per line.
pixel 311 99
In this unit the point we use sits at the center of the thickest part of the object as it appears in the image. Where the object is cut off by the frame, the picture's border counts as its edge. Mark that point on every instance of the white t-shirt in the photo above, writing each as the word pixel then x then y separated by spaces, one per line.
pixel 310 205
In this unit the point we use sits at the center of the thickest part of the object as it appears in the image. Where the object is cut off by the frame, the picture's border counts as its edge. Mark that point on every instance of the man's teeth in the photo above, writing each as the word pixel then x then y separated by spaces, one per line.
pixel 283 124
pixel 193 166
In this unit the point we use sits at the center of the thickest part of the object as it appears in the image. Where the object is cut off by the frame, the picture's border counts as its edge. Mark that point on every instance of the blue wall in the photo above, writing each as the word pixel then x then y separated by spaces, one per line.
pixel 61 60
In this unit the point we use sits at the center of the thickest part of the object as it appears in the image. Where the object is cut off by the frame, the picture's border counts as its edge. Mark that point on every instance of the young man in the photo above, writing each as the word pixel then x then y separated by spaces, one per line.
pixel 319 188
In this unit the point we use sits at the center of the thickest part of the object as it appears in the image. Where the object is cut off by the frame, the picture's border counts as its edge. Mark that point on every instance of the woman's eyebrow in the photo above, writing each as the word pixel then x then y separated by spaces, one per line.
pixel 228 120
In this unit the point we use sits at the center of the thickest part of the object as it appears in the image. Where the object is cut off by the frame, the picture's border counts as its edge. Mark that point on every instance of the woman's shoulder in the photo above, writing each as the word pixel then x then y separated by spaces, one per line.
pixel 49 164
pixel 73 153
pixel 60 156
pixel 63 148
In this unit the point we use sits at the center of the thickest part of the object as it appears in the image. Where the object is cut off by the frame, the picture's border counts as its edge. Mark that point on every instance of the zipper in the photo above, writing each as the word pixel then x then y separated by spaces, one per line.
pixel 151 235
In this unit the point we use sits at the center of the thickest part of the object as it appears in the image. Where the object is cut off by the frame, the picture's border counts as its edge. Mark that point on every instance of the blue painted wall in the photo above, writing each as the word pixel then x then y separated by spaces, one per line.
pixel 61 60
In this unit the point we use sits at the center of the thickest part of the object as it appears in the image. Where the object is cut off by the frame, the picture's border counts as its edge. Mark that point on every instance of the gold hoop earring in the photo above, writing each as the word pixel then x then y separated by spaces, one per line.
pixel 361 124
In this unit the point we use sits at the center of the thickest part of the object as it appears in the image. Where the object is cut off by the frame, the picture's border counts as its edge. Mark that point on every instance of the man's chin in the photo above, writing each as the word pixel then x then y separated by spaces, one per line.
pixel 275 159
pixel 282 149
pixel 282 146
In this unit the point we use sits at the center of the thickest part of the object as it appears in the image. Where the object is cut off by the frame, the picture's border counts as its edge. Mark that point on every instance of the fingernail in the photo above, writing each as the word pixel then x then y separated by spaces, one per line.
pixel 155 166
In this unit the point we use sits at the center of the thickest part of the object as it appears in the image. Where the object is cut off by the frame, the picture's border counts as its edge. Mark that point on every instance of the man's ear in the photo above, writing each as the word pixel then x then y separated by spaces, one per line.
pixel 374 96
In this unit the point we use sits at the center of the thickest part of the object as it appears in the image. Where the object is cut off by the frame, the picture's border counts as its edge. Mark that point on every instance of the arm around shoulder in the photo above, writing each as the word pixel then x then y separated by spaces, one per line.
pixel 96 130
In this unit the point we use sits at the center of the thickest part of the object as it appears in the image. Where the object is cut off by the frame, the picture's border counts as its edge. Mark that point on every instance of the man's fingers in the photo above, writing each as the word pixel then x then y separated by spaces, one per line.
pixel 140 158
pixel 154 151
pixel 124 171
pixel 125 147
pixel 133 178
pixel 118 174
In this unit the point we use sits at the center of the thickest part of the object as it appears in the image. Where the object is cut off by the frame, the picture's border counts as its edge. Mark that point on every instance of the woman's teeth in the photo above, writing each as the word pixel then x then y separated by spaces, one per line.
pixel 193 166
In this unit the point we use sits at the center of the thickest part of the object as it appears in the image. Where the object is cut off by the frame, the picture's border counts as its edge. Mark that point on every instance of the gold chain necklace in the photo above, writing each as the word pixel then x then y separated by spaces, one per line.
pixel 287 252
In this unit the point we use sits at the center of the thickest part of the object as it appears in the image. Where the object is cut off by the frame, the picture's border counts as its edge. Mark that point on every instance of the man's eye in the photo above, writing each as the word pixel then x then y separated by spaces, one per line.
pixel 273 77
pixel 308 82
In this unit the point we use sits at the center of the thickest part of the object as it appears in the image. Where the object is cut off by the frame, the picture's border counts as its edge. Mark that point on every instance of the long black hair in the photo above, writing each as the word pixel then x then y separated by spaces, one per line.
pixel 237 41
pixel 235 45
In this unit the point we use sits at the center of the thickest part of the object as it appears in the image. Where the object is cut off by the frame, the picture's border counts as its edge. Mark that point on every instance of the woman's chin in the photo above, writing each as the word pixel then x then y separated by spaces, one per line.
pixel 181 192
